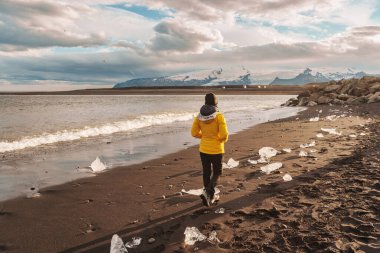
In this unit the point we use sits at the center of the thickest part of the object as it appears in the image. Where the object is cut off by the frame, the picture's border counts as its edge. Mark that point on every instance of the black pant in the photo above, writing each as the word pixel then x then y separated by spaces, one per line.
pixel 209 181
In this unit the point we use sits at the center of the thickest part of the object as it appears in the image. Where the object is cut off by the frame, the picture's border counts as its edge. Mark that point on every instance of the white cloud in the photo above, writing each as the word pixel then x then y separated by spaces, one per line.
pixel 180 37
pixel 45 39
pixel 38 24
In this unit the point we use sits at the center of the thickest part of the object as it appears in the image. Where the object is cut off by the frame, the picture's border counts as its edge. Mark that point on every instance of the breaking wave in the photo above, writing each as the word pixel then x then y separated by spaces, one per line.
pixel 106 129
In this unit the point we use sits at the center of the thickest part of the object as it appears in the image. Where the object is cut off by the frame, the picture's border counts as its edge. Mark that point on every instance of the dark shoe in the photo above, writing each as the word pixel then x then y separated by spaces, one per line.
pixel 205 199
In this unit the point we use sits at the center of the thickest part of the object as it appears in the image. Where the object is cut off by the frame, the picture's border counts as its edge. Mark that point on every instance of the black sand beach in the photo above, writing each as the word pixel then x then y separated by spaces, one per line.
pixel 331 205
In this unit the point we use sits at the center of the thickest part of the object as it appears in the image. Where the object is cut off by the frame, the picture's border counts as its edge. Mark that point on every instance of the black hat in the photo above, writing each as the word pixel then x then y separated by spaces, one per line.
pixel 211 99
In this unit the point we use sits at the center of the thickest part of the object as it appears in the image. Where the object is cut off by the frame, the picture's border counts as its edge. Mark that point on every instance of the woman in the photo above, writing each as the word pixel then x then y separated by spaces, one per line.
pixel 210 126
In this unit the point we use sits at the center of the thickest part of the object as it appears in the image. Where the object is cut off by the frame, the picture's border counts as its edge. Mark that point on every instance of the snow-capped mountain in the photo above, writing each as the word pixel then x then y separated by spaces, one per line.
pixel 345 75
pixel 240 76
pixel 308 76
pixel 233 76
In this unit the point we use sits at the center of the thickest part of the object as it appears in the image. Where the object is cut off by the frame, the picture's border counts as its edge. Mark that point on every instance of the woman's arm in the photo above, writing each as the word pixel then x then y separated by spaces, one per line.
pixel 196 130
pixel 223 131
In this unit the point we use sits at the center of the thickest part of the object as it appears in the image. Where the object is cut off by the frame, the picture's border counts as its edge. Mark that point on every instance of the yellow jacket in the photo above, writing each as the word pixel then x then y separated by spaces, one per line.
pixel 213 134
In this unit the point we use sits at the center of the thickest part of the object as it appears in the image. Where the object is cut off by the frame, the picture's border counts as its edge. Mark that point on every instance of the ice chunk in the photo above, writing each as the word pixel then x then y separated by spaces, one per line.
pixel 307 145
pixel 331 131
pixel 287 150
pixel 213 237
pixel 97 165
pixel 262 160
pixel 267 152
pixel 352 136
pixel 117 245
pixel 220 210
pixel 271 167
pixel 320 135
pixel 303 153
pixel 287 178
pixel 231 164
pixel 314 119
pixel 252 161
pixel 198 192
pixel 332 117
pixel 193 235
pixel 136 241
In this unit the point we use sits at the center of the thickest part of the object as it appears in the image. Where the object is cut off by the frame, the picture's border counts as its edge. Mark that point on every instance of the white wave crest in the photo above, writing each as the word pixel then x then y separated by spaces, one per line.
pixel 110 128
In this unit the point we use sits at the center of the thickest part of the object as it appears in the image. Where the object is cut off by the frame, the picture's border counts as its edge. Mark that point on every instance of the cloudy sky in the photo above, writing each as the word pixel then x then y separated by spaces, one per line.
pixel 61 44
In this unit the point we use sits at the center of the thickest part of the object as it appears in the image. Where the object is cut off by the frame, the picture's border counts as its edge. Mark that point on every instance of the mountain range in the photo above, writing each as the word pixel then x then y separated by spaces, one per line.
pixel 307 76
pixel 236 76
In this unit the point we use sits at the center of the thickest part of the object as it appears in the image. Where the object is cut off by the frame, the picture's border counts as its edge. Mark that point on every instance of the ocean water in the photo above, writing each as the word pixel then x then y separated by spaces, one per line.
pixel 47 140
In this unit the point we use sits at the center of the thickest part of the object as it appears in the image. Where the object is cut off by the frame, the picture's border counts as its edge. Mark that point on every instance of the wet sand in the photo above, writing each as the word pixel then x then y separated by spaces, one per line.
pixel 331 205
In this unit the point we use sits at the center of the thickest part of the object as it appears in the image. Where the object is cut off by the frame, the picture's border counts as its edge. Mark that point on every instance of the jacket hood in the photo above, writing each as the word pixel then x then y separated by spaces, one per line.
pixel 208 112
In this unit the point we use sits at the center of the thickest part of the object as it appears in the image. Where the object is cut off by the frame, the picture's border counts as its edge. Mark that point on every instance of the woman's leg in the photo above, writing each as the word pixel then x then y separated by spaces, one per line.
pixel 216 161
pixel 206 164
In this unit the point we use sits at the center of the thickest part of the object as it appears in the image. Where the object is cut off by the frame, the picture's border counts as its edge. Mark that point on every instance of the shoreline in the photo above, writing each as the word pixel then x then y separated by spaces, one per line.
pixel 49 165
pixel 250 90
pixel 81 216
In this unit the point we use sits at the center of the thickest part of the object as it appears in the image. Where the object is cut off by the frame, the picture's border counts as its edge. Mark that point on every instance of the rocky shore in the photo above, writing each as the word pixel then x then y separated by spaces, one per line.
pixel 351 91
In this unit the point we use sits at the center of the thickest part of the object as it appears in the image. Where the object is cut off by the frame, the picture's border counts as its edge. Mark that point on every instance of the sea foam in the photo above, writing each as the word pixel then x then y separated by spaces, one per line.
pixel 106 129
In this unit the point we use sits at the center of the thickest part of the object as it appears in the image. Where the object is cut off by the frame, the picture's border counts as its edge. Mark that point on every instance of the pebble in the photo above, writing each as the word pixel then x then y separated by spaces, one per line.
pixel 134 222
pixel 151 240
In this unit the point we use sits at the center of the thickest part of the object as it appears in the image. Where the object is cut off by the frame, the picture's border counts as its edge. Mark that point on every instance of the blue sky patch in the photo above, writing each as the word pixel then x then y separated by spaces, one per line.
pixel 251 22
pixel 320 31
pixel 376 14
pixel 142 11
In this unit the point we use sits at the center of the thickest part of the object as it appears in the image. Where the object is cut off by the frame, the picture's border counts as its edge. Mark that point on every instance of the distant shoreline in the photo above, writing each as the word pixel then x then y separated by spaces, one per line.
pixel 228 90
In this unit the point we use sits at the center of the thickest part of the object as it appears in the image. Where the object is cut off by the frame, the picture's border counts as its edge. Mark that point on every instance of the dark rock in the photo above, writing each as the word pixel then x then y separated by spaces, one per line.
pixel 324 100
pixel 331 88
pixel 358 92
pixel 303 101
pixel 305 93
pixel 375 88
pixel 359 100
pixel 344 88
pixel 292 102
pixel 343 97
pixel 337 102
pixel 345 91
pixel 331 95
pixel 314 96
pixel 374 98
pixel 312 103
